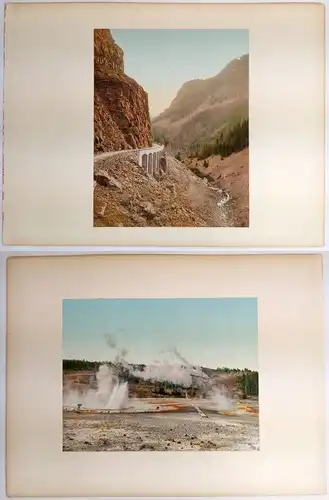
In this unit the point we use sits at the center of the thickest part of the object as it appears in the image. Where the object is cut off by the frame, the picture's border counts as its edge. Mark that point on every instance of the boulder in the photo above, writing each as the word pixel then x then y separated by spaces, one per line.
pixel 148 208
pixel 106 180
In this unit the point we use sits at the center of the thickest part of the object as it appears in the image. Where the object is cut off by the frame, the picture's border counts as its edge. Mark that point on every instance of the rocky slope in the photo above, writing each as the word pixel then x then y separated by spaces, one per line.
pixel 230 174
pixel 203 107
pixel 133 198
pixel 121 112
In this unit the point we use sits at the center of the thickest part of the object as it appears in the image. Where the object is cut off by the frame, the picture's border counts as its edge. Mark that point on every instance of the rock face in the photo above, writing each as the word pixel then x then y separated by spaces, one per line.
pixel 121 112
pixel 202 108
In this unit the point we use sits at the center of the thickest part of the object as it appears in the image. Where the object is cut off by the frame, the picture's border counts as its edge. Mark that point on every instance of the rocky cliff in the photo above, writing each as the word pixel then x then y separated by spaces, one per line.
pixel 121 112
pixel 202 108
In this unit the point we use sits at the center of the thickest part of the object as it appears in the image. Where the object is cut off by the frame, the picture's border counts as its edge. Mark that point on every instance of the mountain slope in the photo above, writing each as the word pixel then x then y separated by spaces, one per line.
pixel 230 174
pixel 136 199
pixel 121 112
pixel 203 107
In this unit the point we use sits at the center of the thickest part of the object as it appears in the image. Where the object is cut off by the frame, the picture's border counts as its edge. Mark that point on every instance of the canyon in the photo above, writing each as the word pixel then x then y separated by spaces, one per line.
pixel 193 189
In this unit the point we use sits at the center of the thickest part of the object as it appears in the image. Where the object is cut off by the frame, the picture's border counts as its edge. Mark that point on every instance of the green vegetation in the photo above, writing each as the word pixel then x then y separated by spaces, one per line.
pixel 82 364
pixel 75 365
pixel 229 141
pixel 247 380
pixel 248 383
pixel 225 369
pixel 160 139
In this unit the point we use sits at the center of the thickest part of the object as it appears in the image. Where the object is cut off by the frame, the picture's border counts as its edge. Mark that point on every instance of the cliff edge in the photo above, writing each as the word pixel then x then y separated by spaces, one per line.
pixel 121 112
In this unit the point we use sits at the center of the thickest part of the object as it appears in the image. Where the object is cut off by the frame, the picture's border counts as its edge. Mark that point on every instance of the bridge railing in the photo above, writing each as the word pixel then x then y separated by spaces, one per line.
pixel 148 158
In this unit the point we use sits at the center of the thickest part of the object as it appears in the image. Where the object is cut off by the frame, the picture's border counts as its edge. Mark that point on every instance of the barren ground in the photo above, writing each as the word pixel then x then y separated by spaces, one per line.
pixel 178 198
pixel 232 175
pixel 184 430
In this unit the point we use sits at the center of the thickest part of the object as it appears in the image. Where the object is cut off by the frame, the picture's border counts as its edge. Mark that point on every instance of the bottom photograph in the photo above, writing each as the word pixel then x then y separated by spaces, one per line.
pixel 160 374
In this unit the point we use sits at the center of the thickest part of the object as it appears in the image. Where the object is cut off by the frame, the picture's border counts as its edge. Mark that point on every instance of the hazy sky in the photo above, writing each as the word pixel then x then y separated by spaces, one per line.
pixel 208 332
pixel 162 60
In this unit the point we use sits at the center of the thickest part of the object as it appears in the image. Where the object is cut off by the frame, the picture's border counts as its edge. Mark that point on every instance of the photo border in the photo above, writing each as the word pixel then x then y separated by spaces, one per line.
pixel 289 291
pixel 279 215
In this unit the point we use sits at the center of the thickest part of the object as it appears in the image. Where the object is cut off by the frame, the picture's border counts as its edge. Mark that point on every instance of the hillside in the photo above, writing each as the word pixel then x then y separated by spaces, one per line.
pixel 202 108
pixel 121 112
pixel 233 381
pixel 230 174
pixel 133 198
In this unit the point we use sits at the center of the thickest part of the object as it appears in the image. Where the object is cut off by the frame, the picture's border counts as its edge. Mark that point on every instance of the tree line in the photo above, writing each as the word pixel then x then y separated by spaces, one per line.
pixel 228 141
pixel 248 383
pixel 225 369
pixel 83 364
pixel 234 140
pixel 160 139
pixel 247 380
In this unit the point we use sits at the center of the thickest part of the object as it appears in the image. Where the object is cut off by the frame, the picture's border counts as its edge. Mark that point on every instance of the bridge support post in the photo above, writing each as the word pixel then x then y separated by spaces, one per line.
pixel 150 160
pixel 149 163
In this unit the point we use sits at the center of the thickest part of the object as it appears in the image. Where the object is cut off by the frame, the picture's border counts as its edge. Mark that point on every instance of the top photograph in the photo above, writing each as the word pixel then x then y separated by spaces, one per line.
pixel 188 129
pixel 171 131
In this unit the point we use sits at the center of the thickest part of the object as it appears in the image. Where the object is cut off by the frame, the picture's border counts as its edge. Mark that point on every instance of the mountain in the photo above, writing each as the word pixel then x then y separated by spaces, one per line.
pixel 121 111
pixel 203 108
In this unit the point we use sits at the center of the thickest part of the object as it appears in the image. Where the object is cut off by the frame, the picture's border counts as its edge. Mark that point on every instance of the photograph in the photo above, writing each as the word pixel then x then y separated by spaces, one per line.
pixel 153 374
pixel 171 128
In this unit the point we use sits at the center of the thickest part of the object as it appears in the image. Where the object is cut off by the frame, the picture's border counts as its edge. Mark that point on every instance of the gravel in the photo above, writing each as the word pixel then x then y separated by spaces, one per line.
pixel 159 432
pixel 177 199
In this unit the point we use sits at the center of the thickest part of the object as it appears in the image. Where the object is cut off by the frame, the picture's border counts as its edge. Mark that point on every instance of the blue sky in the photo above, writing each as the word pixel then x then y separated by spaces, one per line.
pixel 162 60
pixel 207 332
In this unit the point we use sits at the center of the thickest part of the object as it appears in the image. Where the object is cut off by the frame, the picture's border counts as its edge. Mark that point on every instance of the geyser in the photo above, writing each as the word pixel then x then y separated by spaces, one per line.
pixel 110 393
